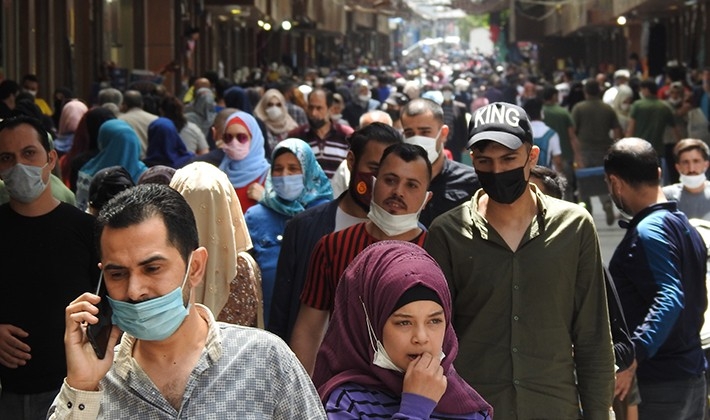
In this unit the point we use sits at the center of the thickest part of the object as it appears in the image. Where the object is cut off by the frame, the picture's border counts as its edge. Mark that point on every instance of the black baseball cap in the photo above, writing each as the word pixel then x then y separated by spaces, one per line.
pixel 504 123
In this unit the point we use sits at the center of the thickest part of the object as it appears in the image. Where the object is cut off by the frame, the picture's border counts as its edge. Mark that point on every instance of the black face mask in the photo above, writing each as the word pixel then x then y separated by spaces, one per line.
pixel 316 124
pixel 504 187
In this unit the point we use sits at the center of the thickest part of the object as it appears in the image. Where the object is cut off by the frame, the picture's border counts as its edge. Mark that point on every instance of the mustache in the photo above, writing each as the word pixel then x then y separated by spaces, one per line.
pixel 397 200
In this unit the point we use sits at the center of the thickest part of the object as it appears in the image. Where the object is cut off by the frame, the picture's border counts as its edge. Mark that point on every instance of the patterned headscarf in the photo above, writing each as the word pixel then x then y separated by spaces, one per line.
pixel 220 226
pixel 165 147
pixel 282 125
pixel 378 277
pixel 242 172
pixel 316 189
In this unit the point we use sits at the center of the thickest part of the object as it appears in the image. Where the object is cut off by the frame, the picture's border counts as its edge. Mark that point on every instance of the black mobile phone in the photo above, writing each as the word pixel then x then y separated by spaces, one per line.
pixel 100 332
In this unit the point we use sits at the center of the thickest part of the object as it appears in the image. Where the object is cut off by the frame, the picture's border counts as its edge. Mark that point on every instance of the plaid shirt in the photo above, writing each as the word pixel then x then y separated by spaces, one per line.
pixel 243 373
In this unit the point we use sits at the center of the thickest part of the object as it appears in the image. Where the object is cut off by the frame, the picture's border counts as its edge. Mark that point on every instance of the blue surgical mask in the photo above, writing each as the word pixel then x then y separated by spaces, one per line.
pixel 24 182
pixel 288 187
pixel 154 319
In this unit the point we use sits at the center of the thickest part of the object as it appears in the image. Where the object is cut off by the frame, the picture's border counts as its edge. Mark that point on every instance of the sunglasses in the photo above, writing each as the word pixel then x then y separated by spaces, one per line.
pixel 241 138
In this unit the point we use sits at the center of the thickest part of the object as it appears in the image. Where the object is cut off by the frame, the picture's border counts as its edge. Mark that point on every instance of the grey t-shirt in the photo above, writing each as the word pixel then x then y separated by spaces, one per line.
pixel 695 206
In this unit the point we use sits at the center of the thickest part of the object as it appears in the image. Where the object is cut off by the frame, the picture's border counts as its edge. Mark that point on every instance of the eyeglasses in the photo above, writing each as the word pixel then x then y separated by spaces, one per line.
pixel 241 138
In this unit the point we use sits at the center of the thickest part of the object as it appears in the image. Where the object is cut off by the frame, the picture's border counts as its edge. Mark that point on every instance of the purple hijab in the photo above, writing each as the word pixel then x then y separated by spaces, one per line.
pixel 379 276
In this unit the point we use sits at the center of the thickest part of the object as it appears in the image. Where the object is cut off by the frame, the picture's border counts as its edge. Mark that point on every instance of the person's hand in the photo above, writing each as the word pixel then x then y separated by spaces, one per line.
pixel 13 351
pixel 84 369
pixel 255 191
pixel 425 377
pixel 624 379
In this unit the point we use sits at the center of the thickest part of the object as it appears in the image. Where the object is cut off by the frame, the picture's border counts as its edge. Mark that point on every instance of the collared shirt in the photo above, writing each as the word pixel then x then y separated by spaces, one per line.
pixel 242 373
pixel 329 150
pixel 533 326
pixel 659 271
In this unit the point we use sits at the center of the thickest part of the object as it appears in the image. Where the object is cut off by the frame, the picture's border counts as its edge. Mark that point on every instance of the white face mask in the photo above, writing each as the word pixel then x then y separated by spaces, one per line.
pixel 336 117
pixel 428 143
pixel 23 182
pixel 625 107
pixel 363 98
pixel 692 181
pixel 274 112
pixel 381 358
pixel 448 95
pixel 31 92
pixel 394 224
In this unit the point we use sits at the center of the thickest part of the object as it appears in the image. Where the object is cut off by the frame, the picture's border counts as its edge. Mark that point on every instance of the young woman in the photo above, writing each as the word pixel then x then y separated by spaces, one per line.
pixel 295 183
pixel 272 110
pixel 244 159
pixel 390 346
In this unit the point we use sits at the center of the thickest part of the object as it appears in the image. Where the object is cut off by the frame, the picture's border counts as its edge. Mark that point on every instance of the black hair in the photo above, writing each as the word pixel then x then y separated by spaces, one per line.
pixel 548 92
pixel 30 78
pixel 107 183
pixel 634 160
pixel 650 85
pixel 42 135
pixel 533 107
pixel 408 153
pixel 7 88
pixel 591 88
pixel 553 182
pixel 377 131
pixel 138 204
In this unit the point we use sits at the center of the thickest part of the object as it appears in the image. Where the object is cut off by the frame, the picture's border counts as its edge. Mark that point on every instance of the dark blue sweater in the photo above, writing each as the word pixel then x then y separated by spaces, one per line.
pixel 659 271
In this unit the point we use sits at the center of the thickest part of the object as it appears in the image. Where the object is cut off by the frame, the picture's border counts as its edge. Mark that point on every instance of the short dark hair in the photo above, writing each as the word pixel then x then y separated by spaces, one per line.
pixel 42 134
pixel 377 131
pixel 554 183
pixel 408 153
pixel 30 78
pixel 650 85
pixel 548 92
pixel 634 160
pixel 691 144
pixel 533 107
pixel 107 183
pixel 142 202
pixel 328 95
pixel 172 109
pixel 7 88
pixel 419 106
pixel 591 88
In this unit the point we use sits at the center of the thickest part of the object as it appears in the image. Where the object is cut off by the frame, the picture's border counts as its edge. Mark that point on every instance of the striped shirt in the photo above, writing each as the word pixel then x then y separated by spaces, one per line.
pixel 329 150
pixel 330 258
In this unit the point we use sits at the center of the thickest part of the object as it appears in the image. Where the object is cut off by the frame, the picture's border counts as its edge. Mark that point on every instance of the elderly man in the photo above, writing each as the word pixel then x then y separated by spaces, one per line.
pixel 174 360
pixel 400 193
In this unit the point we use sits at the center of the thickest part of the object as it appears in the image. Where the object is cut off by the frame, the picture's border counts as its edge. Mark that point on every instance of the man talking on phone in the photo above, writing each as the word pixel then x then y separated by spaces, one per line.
pixel 174 361
pixel 47 257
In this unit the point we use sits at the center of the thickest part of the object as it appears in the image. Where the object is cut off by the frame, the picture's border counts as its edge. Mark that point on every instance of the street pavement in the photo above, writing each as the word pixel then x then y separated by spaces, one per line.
pixel 609 236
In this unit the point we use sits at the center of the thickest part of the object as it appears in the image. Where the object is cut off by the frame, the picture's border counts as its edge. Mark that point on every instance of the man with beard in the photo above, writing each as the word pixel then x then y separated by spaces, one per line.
pixel 327 138
pixel 305 229
pixel 526 278
pixel 400 192
pixel 659 272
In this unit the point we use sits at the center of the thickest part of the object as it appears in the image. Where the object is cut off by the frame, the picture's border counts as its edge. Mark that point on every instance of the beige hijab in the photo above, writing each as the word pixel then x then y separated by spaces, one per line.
pixel 220 225
pixel 282 125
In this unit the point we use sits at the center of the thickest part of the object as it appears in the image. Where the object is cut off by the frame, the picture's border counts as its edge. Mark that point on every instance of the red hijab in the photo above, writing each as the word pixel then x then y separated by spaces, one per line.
pixel 378 277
